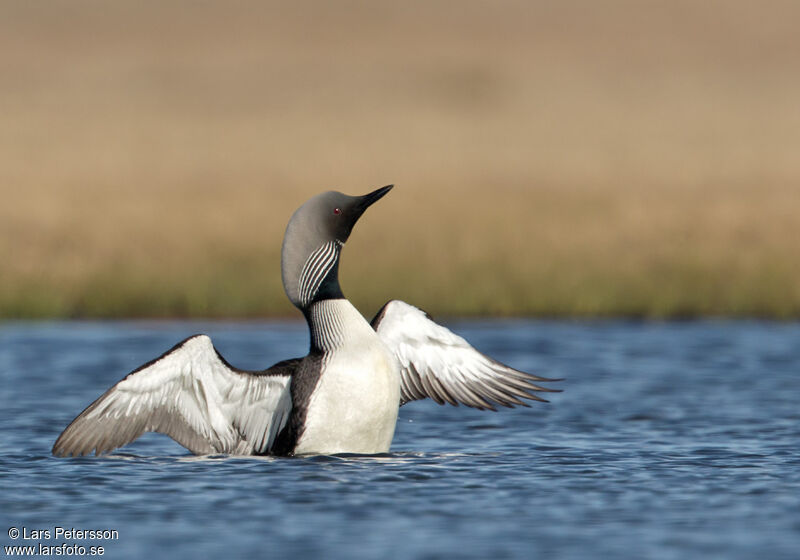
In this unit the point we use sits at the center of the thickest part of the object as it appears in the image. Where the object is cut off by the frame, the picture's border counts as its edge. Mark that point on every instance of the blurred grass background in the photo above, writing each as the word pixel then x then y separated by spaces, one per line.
pixel 574 158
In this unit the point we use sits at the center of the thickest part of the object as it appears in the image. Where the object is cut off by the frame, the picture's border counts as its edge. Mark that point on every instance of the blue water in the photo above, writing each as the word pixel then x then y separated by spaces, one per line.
pixel 675 440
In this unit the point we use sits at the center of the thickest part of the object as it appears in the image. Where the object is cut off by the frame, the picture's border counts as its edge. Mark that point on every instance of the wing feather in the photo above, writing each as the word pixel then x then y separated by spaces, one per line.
pixel 192 395
pixel 438 364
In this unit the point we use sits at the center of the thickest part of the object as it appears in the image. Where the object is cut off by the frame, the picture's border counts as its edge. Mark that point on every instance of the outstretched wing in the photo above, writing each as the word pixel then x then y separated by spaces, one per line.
pixel 192 395
pixel 439 364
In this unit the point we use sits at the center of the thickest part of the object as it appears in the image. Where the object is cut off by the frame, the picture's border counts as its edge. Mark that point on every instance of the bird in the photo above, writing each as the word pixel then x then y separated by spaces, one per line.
pixel 343 397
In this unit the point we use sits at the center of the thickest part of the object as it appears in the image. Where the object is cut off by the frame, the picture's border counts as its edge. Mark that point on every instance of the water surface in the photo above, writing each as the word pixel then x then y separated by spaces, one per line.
pixel 675 440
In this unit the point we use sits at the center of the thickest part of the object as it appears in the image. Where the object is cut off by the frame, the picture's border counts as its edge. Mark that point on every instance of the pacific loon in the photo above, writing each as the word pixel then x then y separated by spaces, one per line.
pixel 343 397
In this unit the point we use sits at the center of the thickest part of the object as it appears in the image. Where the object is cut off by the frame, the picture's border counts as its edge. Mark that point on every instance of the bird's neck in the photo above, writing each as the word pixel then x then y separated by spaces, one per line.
pixel 311 275
pixel 329 287
pixel 334 323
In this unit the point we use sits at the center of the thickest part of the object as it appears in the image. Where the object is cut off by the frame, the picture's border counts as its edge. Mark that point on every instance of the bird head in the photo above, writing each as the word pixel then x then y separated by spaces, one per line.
pixel 313 241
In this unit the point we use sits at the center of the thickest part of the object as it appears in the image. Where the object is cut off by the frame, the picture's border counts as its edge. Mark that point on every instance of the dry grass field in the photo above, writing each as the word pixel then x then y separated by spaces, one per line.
pixel 573 158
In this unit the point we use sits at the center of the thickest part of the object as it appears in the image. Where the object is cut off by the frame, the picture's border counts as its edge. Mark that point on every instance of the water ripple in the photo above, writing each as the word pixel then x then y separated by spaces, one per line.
pixel 670 441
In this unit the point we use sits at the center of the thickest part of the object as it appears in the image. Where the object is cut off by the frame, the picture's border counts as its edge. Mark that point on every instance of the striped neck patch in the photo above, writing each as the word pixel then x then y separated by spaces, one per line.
pixel 317 267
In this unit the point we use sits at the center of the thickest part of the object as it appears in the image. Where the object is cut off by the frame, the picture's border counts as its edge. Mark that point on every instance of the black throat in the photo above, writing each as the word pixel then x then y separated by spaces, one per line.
pixel 329 288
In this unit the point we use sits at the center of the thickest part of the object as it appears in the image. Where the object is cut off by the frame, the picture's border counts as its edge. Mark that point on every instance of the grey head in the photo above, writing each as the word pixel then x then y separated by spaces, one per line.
pixel 313 241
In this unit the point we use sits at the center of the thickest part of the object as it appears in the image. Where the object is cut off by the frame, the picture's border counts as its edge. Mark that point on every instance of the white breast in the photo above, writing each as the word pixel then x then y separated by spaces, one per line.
pixel 354 406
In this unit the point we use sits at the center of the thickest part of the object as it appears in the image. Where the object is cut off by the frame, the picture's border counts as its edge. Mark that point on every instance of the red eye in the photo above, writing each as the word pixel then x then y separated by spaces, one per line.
pixel 337 211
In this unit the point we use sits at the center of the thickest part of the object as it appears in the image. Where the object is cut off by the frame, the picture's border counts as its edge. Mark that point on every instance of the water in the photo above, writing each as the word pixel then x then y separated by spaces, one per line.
pixel 675 440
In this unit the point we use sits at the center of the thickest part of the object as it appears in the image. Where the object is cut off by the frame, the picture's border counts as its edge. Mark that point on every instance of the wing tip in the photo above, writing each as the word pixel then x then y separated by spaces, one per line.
pixel 71 444
pixel 66 451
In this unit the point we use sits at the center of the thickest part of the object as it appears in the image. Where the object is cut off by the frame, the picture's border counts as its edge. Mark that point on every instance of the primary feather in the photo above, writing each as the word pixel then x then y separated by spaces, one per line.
pixel 437 363
pixel 192 395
